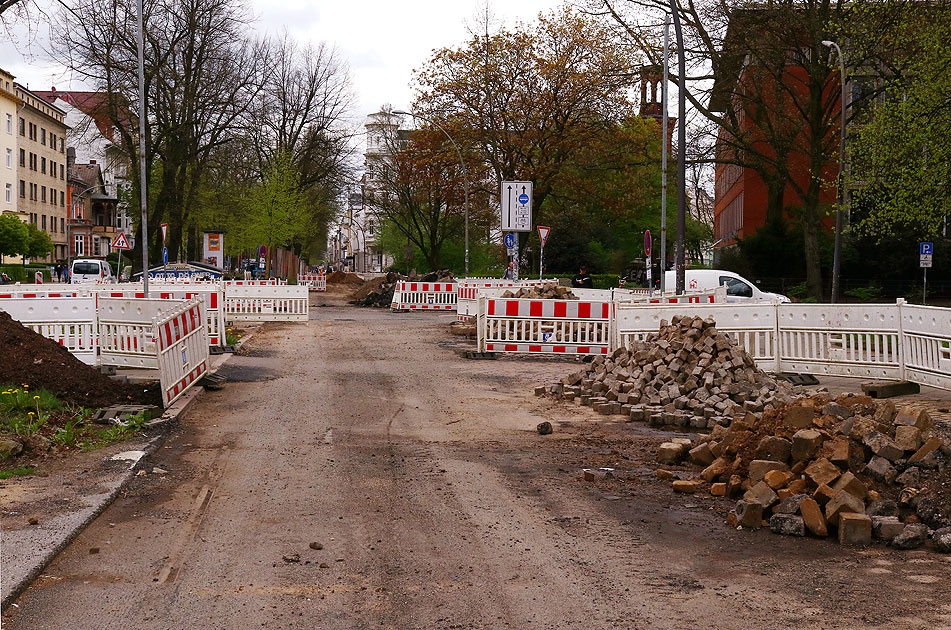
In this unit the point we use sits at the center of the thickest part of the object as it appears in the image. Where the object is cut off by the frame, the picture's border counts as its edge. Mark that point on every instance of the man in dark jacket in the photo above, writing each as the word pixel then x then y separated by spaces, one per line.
pixel 582 280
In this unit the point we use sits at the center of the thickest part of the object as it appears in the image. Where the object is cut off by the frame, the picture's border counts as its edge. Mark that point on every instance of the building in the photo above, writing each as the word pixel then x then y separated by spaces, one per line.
pixel 9 103
pixel 95 139
pixel 41 166
pixel 91 223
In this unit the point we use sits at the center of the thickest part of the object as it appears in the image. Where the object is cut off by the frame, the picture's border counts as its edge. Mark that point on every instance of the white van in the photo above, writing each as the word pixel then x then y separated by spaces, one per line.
pixel 90 270
pixel 738 288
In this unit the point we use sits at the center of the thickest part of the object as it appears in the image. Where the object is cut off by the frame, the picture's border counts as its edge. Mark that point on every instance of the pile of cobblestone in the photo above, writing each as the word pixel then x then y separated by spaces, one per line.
pixel 688 374
pixel 544 292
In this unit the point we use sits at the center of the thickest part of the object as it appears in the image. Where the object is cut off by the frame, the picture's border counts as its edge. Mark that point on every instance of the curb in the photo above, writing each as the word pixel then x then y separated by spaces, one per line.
pixel 171 415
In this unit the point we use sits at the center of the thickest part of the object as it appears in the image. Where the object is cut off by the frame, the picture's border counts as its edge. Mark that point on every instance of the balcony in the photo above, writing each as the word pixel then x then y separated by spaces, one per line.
pixel 103 229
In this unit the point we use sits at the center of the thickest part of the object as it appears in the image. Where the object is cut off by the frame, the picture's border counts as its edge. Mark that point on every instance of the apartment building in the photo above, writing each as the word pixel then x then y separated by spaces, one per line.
pixel 8 150
pixel 41 166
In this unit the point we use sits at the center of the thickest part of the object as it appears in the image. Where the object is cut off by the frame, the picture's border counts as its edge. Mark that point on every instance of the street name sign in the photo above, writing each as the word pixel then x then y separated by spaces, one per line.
pixel 516 206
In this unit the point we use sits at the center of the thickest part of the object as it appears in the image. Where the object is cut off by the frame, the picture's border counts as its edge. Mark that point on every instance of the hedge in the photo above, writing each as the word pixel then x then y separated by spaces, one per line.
pixel 24 273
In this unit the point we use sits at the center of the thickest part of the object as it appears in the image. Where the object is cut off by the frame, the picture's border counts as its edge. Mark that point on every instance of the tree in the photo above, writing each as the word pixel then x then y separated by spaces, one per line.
pixel 14 235
pixel 761 74
pixel 901 156
pixel 38 243
pixel 528 100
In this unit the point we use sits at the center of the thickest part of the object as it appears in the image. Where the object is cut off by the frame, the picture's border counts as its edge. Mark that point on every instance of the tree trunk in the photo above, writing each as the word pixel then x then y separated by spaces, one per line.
pixel 810 233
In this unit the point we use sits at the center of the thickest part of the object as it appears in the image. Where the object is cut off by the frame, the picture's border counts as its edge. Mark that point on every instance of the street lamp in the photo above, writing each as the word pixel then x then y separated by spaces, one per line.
pixel 836 263
pixel 465 173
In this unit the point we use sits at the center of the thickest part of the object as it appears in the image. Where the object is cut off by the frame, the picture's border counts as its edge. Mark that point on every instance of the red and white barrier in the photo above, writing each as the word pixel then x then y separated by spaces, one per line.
pixel 545 326
pixel 313 281
pixel 255 283
pixel 212 292
pixel 266 303
pixel 71 321
pixel 411 296
pixel 126 335
pixel 181 348
pixel 467 293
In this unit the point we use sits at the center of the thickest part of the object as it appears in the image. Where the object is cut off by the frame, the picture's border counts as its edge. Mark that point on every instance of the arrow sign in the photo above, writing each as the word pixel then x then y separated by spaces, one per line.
pixel 120 242
pixel 516 211
pixel 543 234
pixel 164 255
pixel 164 232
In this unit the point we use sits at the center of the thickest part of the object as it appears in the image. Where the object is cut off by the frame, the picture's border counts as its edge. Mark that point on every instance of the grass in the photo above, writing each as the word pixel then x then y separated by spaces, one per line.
pixel 19 471
pixel 25 412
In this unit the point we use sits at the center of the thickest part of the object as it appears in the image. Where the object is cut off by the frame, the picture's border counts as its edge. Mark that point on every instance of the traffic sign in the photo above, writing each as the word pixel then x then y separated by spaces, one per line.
pixel 262 251
pixel 120 242
pixel 926 249
pixel 164 255
pixel 543 234
pixel 516 206
pixel 510 240
pixel 647 243
pixel 164 232
pixel 925 260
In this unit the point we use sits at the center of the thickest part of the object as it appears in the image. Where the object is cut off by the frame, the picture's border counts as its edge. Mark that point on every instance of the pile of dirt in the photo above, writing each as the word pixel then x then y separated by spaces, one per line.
pixel 853 465
pixel 29 359
pixel 686 374
pixel 378 292
pixel 544 292
pixel 343 277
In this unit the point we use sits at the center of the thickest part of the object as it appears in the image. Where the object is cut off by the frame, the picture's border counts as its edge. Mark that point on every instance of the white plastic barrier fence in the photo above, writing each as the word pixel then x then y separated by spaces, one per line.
pixel 212 292
pixel 424 296
pixel 44 291
pixel 255 283
pixel 126 335
pixel 313 281
pixel 545 326
pixel 266 303
pixel 181 348
pixel 926 344
pixel 68 320
pixel 467 292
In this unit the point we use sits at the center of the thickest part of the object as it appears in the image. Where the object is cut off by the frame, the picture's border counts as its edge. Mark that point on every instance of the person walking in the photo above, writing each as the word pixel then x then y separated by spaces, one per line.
pixel 582 279
pixel 509 272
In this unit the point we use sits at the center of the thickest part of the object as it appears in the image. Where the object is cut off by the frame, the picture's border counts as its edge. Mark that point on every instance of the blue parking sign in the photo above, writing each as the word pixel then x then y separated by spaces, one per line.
pixel 926 249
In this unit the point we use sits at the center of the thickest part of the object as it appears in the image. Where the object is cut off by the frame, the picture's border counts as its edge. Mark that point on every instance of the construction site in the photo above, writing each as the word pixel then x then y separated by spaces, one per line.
pixel 431 452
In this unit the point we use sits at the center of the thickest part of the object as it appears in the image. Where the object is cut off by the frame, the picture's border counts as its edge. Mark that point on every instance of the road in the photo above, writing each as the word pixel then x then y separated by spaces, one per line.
pixel 434 504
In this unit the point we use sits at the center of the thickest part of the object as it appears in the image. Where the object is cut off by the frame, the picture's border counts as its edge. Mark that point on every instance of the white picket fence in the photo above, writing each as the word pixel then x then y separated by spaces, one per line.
pixel 212 292
pixel 313 281
pixel 181 347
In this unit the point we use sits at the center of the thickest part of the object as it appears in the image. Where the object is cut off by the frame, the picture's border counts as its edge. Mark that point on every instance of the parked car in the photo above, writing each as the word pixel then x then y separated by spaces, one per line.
pixel 86 270
pixel 738 288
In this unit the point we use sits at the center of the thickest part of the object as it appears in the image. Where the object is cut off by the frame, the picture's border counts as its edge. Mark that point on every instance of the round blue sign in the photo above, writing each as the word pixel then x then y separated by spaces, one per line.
pixel 523 199
pixel 510 240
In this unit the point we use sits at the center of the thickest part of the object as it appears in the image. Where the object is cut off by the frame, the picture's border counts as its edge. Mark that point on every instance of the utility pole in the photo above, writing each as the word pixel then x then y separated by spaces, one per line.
pixel 663 164
pixel 681 148
pixel 143 181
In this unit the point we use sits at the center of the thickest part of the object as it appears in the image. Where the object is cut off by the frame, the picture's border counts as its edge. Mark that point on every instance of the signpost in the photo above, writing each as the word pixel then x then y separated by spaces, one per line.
pixel 262 254
pixel 543 232
pixel 120 243
pixel 164 248
pixel 516 214
pixel 647 255
pixel 925 254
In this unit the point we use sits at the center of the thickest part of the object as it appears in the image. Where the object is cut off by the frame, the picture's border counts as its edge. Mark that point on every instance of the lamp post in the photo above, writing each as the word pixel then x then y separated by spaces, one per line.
pixel 465 173
pixel 836 259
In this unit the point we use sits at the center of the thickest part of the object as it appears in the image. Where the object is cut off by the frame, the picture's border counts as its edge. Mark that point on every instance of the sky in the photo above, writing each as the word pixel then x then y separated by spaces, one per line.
pixel 382 41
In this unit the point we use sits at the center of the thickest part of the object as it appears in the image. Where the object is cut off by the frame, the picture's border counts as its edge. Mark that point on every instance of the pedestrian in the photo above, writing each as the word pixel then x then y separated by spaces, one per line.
pixel 582 279
pixel 509 272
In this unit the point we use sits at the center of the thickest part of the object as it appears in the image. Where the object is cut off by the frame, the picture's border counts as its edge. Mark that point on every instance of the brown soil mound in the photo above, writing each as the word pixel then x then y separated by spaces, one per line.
pixel 342 277
pixel 33 360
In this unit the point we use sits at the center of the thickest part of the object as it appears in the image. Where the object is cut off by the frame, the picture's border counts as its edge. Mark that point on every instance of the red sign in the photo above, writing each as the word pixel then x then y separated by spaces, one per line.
pixel 543 233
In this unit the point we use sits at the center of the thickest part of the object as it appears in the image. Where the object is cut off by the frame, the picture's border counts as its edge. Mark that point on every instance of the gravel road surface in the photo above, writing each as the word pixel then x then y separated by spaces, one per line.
pixel 358 472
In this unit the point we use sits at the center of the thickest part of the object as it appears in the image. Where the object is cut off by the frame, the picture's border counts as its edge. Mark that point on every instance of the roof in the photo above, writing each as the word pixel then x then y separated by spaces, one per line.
pixel 93 104
pixel 88 174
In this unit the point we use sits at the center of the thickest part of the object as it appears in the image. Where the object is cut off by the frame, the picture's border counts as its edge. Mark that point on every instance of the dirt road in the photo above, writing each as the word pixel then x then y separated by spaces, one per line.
pixel 434 504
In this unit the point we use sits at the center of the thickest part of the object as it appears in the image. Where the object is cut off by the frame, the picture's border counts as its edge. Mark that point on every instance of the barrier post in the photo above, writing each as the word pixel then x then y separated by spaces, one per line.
pixel 901 339
pixel 777 338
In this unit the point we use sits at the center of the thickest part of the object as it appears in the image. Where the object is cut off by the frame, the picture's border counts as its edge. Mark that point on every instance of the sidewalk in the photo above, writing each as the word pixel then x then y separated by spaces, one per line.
pixel 68 494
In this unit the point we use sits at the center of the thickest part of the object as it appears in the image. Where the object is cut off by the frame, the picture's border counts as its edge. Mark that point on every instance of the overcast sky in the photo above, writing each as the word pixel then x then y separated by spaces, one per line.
pixel 381 40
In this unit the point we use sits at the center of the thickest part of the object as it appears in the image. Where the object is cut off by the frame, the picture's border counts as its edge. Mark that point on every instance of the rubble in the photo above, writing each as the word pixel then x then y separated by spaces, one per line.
pixel 544 292
pixel 378 292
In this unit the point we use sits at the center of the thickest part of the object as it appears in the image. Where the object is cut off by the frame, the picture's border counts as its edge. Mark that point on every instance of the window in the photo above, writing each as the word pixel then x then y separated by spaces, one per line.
pixel 22 157
pixel 80 245
pixel 61 172
pixel 22 189
pixel 62 224
pixel 9 158
pixel 43 165
pixel 32 161
pixel 43 137
pixel 43 199
pixel 10 124
pixel 22 127
pixel 9 193
pixel 44 222
pixel 62 145
pixel 62 198
pixel 52 223
pixel 735 286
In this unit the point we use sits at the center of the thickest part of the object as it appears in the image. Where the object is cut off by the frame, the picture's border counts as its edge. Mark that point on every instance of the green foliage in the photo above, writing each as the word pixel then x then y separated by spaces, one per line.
pixel 69 434
pixel 38 243
pixel 799 291
pixel 24 273
pixel 276 209
pixel 19 471
pixel 865 294
pixel 14 235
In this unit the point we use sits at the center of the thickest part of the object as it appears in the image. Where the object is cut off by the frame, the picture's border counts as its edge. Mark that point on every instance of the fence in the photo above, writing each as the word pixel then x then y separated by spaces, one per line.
pixel 182 348
pixel 126 334
pixel 266 302
pixel 313 281
pixel 70 321
pixel 545 326
pixel 467 293
pixel 424 296
pixel 212 292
